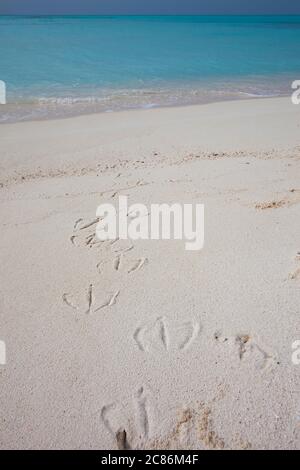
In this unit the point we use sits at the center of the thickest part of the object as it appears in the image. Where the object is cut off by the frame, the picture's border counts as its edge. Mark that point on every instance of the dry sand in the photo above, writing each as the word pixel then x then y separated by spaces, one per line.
pixel 179 349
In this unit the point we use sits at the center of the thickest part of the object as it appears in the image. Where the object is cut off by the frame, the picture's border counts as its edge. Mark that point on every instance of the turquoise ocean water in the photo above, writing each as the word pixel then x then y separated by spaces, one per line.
pixel 61 66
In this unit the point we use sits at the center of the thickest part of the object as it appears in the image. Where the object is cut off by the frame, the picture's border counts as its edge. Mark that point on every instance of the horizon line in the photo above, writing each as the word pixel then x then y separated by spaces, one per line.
pixel 149 14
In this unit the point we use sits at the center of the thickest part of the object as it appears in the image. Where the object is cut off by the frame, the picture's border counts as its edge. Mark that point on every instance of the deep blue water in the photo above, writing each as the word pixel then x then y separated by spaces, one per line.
pixel 66 65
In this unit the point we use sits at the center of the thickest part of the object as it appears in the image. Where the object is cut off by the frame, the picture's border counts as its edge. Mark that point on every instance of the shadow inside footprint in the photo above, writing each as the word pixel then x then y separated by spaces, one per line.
pixel 121 438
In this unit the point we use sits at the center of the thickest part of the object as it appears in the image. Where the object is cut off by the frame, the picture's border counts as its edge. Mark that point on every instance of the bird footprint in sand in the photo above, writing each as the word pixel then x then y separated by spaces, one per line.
pixel 163 336
pixel 117 418
pixel 84 233
pixel 90 301
pixel 121 263
pixel 248 350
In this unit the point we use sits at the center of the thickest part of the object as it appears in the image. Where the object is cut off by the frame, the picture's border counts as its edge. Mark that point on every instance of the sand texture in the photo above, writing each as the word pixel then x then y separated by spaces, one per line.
pixel 142 344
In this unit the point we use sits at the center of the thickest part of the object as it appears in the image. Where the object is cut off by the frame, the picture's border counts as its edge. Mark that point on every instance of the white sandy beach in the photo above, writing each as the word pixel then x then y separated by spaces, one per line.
pixel 183 350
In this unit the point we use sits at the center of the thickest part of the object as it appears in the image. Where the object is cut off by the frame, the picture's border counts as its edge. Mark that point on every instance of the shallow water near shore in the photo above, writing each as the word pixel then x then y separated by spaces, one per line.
pixel 64 66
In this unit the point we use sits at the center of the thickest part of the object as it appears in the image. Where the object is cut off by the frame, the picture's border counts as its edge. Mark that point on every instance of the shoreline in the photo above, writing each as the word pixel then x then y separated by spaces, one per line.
pixel 246 97
pixel 155 109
